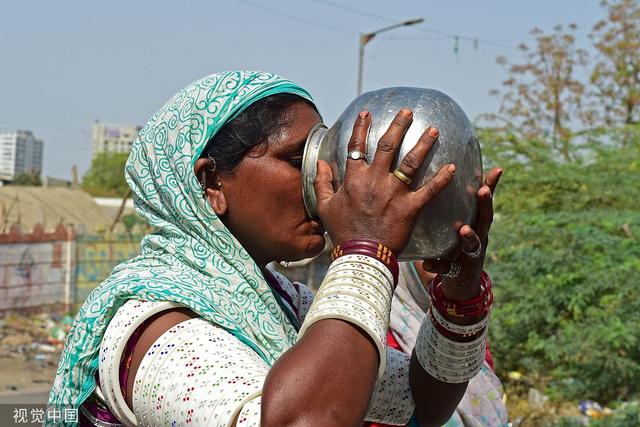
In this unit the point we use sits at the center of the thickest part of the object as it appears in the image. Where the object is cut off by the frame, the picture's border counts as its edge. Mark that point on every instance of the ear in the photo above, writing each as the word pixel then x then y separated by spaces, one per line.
pixel 218 201
pixel 206 174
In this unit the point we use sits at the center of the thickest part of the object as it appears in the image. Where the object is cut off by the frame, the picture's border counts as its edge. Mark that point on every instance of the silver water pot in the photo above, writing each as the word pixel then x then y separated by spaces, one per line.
pixel 435 234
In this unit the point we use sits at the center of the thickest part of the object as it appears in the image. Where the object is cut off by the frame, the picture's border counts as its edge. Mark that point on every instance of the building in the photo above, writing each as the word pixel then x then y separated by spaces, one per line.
pixel 113 138
pixel 20 152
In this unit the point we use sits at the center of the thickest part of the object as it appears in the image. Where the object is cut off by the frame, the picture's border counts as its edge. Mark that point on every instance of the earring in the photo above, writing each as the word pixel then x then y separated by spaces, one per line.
pixel 213 169
pixel 203 184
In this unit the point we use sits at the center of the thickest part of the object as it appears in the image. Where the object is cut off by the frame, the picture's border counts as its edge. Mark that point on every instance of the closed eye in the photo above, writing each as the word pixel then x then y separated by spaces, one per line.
pixel 296 161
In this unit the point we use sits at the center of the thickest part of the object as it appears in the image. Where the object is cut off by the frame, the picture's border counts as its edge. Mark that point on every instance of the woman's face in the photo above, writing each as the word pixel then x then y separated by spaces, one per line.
pixel 265 209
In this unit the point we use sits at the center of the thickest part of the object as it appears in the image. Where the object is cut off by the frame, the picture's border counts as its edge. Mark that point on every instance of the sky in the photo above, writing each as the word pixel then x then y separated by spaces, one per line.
pixel 65 64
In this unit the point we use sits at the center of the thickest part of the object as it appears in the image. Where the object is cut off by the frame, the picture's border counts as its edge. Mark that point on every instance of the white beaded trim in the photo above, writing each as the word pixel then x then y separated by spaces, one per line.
pixel 358 290
pixel 447 360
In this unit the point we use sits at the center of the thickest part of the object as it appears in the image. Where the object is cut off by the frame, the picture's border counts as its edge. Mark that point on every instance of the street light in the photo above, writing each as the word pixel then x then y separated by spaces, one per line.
pixel 366 38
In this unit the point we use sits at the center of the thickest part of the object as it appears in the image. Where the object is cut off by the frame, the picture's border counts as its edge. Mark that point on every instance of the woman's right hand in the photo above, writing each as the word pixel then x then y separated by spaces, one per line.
pixel 372 203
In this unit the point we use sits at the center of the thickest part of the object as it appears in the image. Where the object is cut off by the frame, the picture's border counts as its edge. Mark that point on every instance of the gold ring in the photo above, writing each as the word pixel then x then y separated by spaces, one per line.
pixel 402 177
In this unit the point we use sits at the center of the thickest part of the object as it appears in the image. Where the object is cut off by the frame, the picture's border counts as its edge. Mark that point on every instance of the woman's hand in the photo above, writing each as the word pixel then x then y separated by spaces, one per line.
pixel 470 260
pixel 372 203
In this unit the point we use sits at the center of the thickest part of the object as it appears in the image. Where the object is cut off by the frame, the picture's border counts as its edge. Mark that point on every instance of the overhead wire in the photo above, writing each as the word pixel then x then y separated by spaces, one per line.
pixel 295 18
pixel 422 28
pixel 455 37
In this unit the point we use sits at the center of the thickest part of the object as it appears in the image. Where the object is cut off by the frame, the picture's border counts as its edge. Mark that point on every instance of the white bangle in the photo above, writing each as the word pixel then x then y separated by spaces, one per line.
pixel 345 280
pixel 347 308
pixel 455 347
pixel 363 261
pixel 447 360
pixel 364 301
pixel 464 330
pixel 375 293
pixel 358 290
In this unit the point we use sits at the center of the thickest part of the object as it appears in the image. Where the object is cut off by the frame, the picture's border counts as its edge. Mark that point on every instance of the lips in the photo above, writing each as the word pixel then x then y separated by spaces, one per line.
pixel 316 226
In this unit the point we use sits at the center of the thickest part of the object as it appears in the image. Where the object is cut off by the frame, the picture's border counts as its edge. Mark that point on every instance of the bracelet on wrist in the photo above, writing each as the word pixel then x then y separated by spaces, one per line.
pixel 457 331
pixel 478 306
pixel 369 248
pixel 357 289
pixel 449 360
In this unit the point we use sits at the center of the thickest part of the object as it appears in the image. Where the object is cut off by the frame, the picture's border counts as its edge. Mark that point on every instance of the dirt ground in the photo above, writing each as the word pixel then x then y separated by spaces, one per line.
pixel 30 347
pixel 20 375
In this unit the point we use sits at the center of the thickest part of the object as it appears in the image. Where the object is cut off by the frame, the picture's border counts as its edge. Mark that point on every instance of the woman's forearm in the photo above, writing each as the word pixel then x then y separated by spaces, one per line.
pixel 435 400
pixel 326 379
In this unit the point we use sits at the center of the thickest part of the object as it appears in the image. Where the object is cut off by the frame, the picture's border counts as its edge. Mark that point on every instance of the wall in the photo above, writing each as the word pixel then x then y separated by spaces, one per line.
pixel 96 257
pixel 37 268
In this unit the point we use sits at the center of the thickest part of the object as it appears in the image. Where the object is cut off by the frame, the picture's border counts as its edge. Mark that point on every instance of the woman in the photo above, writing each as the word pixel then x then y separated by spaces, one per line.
pixel 199 330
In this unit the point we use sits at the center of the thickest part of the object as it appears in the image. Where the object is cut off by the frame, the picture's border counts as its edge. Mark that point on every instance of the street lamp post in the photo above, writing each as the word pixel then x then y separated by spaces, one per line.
pixel 366 38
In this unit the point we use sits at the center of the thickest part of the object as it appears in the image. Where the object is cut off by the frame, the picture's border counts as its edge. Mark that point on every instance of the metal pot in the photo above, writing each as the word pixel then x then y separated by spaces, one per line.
pixel 435 235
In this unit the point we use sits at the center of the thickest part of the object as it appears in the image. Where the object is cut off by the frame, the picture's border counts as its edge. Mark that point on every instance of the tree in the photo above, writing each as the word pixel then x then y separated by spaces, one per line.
pixel 542 95
pixel 616 77
pixel 565 260
pixel 31 178
pixel 105 177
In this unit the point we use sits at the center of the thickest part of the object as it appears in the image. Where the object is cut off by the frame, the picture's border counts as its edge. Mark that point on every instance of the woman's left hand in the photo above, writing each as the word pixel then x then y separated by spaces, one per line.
pixel 469 262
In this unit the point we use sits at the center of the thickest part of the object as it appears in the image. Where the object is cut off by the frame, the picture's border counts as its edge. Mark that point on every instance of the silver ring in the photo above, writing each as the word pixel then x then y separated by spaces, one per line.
pixel 357 155
pixel 455 268
pixel 475 254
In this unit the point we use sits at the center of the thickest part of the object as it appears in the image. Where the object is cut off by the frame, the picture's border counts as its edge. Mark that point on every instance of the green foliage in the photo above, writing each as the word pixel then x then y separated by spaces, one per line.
pixel 27 178
pixel 105 177
pixel 565 257
pixel 568 422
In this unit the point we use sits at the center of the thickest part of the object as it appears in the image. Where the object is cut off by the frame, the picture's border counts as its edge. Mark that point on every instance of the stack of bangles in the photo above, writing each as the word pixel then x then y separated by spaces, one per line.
pixel 369 248
pixel 448 351
pixel 358 288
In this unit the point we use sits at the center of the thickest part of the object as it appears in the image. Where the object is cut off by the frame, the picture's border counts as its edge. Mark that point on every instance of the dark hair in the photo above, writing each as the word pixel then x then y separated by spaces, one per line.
pixel 254 126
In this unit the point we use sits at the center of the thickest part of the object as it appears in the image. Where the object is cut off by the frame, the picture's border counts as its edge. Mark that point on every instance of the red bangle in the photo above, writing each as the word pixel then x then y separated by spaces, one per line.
pixel 469 311
pixel 474 307
pixel 369 248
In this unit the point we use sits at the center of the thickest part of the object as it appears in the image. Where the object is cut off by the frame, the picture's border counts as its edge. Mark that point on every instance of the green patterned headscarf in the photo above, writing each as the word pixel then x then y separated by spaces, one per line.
pixel 192 259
